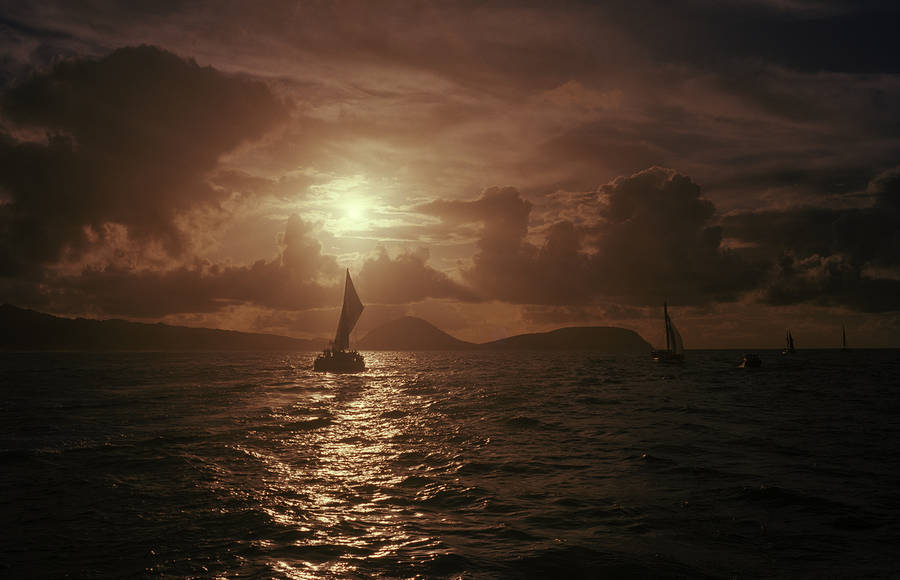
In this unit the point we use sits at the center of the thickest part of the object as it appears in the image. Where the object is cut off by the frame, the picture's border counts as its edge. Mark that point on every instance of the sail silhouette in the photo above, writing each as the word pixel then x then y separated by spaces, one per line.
pixel 788 343
pixel 350 313
pixel 677 346
pixel 338 359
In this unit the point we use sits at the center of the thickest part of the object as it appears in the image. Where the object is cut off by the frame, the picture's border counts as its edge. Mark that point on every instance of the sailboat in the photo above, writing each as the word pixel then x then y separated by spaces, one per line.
pixel 843 339
pixel 674 352
pixel 788 343
pixel 337 358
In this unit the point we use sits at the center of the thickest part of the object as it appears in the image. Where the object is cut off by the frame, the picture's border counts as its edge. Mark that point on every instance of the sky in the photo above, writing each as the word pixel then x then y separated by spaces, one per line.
pixel 492 167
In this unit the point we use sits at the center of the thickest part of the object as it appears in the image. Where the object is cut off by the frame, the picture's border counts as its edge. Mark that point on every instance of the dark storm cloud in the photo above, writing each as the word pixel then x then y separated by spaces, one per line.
pixel 835 280
pixel 133 136
pixel 867 235
pixel 848 257
pixel 407 278
pixel 836 35
pixel 658 242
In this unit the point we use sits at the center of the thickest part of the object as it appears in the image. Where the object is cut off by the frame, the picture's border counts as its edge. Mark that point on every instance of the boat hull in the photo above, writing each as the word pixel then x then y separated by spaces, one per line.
pixel 750 361
pixel 667 357
pixel 339 362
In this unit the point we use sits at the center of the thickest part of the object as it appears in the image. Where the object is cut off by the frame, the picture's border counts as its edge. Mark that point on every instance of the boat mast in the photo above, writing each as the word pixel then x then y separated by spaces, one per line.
pixel 668 332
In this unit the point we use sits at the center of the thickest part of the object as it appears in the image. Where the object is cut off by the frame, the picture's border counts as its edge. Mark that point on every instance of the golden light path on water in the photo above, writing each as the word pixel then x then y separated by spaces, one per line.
pixel 328 470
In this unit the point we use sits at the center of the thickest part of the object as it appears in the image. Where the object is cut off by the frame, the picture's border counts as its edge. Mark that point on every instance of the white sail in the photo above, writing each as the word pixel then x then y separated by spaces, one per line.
pixel 350 313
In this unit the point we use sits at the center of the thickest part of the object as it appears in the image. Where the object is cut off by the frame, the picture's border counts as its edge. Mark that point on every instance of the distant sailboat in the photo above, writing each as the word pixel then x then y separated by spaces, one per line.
pixel 674 352
pixel 844 339
pixel 338 358
pixel 788 343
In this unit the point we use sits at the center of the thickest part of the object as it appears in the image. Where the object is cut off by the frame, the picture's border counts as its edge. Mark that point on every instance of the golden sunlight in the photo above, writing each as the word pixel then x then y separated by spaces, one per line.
pixel 355 211
pixel 344 203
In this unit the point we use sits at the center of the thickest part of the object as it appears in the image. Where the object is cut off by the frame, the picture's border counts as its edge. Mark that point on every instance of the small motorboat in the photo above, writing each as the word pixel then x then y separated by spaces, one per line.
pixel 750 361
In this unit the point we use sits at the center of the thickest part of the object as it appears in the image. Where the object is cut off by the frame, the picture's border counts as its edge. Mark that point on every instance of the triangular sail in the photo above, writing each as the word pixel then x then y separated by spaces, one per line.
pixel 350 313
pixel 788 343
pixel 677 344
pixel 673 337
pixel 843 337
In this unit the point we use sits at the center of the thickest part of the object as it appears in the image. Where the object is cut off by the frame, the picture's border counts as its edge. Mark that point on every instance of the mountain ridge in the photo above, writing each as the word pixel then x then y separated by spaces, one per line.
pixel 411 333
pixel 31 330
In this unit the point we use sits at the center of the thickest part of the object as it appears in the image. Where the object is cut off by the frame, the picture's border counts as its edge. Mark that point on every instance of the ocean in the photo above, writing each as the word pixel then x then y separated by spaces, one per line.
pixel 450 465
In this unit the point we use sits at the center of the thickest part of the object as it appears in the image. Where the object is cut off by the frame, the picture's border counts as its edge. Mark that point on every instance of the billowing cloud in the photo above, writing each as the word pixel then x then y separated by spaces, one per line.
pixel 131 139
pixel 502 268
pixel 407 278
pixel 651 238
pixel 658 242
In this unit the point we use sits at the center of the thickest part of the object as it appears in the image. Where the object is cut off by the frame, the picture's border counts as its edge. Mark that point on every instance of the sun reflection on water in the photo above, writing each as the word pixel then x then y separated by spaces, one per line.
pixel 331 465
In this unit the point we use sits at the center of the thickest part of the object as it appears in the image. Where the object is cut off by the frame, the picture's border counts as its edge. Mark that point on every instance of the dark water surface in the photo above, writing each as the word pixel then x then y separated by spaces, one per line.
pixel 471 465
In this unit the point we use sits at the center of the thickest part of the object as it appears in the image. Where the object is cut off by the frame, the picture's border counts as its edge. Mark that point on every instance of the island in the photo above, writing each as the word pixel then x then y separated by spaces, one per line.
pixel 409 333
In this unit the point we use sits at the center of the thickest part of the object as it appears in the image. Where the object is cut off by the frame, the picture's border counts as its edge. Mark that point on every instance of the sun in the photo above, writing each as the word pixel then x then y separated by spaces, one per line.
pixel 355 212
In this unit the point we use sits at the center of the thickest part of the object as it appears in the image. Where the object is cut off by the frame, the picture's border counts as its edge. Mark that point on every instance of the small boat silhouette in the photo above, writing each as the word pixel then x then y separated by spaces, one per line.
pixel 788 343
pixel 674 352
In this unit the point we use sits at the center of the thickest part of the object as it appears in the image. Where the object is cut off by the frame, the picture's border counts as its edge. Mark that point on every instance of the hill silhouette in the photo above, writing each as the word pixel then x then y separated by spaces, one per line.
pixel 30 330
pixel 602 338
pixel 409 333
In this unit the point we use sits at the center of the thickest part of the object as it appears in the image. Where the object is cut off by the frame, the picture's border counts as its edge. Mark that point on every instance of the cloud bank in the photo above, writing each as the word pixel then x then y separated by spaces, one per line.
pixel 127 139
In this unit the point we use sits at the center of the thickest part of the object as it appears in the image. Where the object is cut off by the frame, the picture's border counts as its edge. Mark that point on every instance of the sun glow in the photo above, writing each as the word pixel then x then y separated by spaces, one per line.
pixel 345 203
pixel 355 211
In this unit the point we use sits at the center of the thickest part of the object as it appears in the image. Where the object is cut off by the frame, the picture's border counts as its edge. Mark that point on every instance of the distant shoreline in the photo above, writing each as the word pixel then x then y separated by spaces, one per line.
pixel 32 331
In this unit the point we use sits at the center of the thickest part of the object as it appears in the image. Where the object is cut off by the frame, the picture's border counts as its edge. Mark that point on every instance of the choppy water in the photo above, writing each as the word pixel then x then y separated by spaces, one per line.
pixel 467 465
